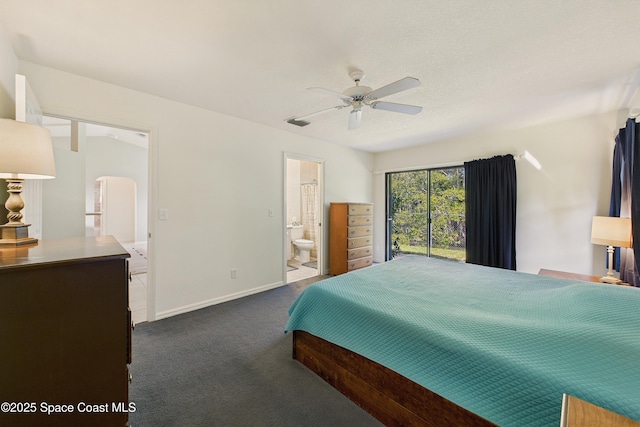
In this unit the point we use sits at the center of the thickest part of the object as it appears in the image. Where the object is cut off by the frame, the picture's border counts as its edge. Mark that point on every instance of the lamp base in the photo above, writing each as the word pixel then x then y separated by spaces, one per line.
pixel 16 235
pixel 610 279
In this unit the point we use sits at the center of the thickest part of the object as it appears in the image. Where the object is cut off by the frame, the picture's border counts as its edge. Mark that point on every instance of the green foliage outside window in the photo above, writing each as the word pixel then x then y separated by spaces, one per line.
pixel 411 194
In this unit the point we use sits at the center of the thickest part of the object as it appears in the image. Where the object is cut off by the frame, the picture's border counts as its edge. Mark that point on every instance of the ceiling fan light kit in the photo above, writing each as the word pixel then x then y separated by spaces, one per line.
pixel 358 96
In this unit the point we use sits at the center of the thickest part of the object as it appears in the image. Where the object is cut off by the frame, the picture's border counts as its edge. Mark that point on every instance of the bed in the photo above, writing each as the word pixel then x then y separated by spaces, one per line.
pixel 426 341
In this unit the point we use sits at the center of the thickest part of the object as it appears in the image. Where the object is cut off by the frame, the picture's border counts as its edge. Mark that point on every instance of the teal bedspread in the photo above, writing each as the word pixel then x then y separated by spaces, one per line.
pixel 502 344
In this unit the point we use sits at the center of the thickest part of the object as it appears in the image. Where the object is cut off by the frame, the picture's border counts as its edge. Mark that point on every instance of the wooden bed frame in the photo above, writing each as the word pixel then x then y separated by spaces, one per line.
pixel 390 397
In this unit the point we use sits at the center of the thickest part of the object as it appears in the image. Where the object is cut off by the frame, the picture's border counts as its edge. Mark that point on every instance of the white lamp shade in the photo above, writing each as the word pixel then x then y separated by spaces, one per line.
pixel 611 231
pixel 26 151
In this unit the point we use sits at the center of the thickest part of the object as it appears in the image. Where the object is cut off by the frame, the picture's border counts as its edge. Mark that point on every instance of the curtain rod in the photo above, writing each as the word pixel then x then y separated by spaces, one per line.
pixel 421 167
pixel 524 156
pixel 459 163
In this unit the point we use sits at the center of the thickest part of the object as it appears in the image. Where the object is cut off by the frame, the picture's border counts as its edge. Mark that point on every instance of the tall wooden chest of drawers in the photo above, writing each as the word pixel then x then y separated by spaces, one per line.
pixel 65 328
pixel 350 237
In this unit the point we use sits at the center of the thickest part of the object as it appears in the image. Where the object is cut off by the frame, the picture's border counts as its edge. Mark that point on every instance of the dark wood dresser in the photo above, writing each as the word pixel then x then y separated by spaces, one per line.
pixel 65 333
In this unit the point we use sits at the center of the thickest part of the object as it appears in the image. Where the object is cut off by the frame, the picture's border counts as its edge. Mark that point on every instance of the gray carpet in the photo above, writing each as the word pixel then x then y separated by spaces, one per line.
pixel 231 365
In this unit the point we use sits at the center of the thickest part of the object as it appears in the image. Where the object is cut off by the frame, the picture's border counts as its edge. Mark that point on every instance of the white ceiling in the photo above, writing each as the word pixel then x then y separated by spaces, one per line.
pixel 484 65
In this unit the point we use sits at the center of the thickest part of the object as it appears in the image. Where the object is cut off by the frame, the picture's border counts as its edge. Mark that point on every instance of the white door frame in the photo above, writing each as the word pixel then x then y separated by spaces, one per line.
pixel 321 257
pixel 152 186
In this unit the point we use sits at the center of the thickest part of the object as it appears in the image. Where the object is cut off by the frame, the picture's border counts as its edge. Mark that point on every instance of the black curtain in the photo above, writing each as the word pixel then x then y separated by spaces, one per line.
pixel 632 137
pixel 625 183
pixel 616 192
pixel 490 201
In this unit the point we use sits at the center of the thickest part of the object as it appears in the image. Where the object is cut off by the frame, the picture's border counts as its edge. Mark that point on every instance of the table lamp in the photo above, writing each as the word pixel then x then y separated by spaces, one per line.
pixel 26 152
pixel 611 231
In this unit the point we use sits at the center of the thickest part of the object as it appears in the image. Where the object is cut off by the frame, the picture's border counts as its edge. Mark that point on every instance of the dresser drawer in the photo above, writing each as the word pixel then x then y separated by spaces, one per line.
pixel 360 253
pixel 359 263
pixel 358 220
pixel 359 242
pixel 360 209
pixel 359 232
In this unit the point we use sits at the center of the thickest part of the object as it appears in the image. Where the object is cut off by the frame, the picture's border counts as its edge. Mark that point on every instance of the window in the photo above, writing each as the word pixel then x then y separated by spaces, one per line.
pixel 426 213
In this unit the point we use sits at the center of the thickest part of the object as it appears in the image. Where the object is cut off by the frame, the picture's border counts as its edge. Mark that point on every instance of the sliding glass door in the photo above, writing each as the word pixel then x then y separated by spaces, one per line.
pixel 425 213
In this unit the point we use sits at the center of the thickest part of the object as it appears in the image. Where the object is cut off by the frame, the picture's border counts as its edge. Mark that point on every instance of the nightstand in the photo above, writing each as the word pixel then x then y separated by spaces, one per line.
pixel 573 276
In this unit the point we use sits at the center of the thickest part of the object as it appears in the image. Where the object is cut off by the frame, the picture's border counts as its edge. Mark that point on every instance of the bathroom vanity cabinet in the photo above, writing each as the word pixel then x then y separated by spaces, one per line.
pixel 350 237
pixel 65 328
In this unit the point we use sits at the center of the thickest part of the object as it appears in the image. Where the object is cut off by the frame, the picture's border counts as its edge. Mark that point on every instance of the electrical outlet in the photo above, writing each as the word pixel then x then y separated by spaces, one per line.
pixel 234 273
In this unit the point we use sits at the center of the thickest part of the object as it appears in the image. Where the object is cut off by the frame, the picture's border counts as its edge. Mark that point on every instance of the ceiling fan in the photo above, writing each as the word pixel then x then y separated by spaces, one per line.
pixel 359 96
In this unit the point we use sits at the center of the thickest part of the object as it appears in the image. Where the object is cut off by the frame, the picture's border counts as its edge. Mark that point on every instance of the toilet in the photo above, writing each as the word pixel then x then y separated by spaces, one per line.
pixel 302 246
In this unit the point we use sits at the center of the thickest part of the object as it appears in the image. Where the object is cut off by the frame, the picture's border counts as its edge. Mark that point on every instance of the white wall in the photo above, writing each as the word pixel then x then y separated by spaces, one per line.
pixel 63 197
pixel 555 204
pixel 217 175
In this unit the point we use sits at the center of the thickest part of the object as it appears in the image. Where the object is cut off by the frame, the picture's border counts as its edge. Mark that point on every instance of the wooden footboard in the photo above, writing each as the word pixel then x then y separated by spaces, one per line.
pixel 388 396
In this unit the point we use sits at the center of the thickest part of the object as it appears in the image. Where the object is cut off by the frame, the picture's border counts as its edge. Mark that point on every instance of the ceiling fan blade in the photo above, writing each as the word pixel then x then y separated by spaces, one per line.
pixel 398 108
pixel 395 87
pixel 302 120
pixel 354 118
pixel 330 93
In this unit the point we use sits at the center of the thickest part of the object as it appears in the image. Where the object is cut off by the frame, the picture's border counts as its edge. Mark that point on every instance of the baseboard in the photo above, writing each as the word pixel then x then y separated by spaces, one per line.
pixel 214 301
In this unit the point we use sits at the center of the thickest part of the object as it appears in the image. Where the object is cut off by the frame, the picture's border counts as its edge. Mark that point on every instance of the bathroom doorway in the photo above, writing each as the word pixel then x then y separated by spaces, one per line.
pixel 303 212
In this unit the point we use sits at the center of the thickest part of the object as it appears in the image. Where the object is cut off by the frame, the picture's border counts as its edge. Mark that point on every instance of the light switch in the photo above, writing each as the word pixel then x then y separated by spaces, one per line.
pixel 164 214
